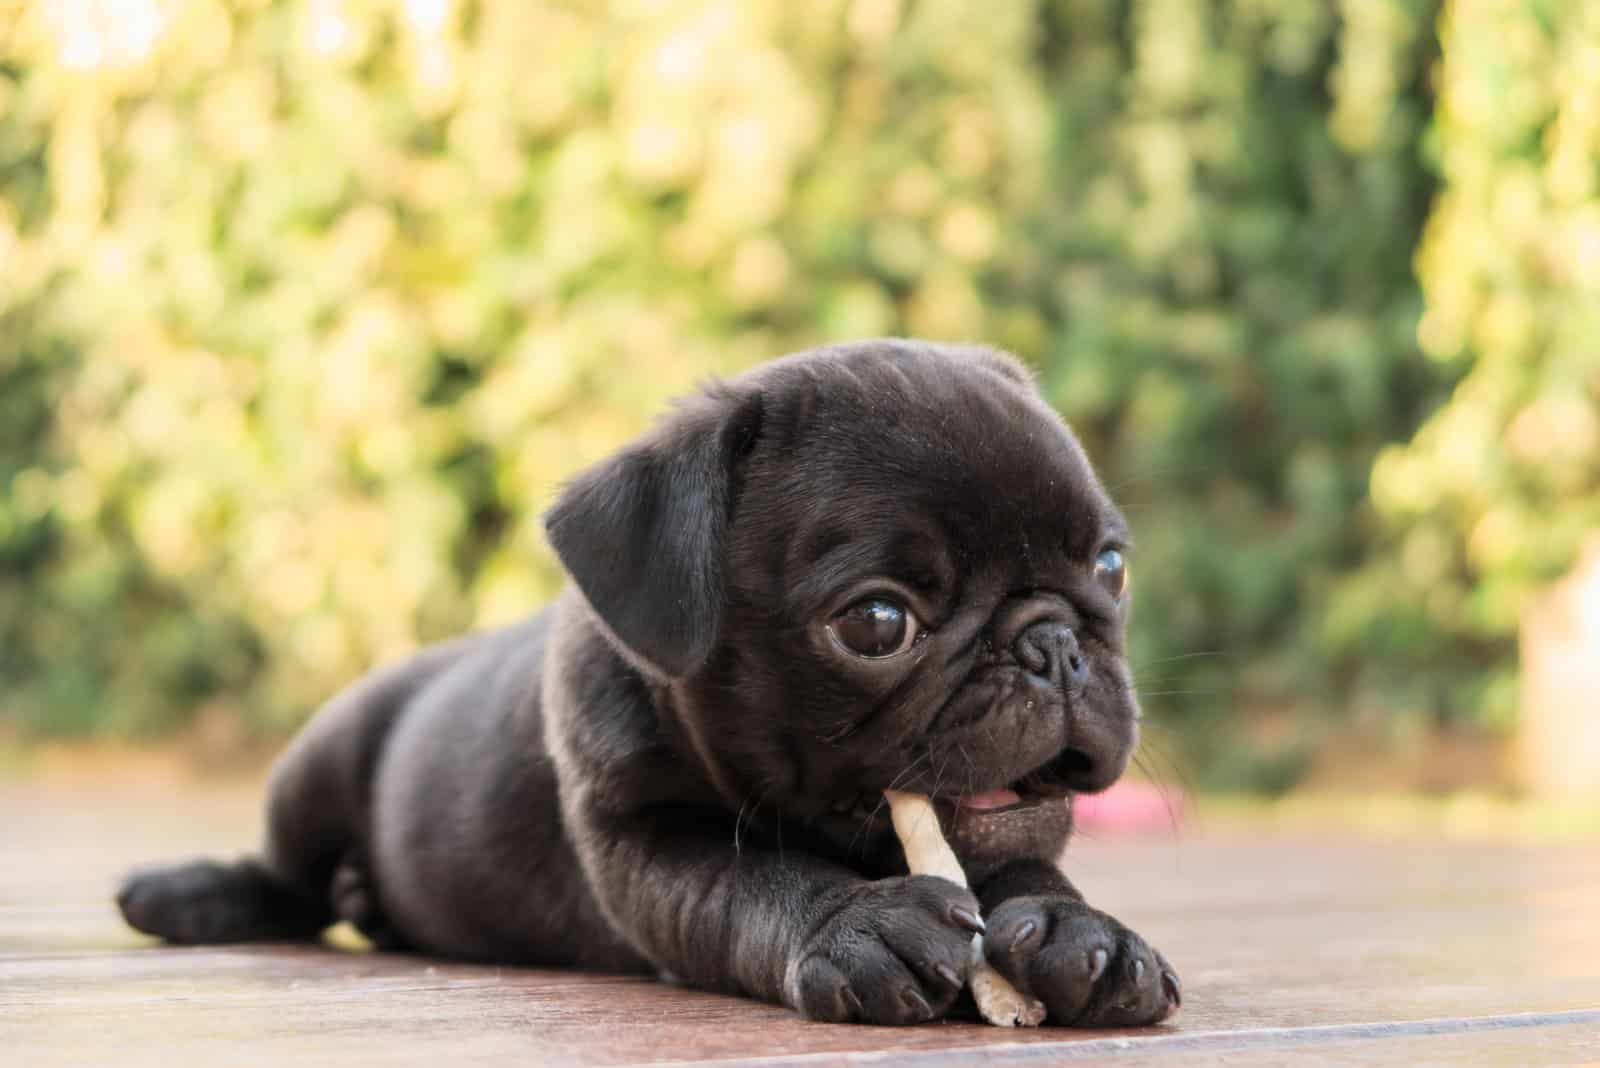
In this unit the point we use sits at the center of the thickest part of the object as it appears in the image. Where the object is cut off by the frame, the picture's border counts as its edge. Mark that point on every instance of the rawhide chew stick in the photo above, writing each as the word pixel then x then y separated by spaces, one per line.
pixel 927 853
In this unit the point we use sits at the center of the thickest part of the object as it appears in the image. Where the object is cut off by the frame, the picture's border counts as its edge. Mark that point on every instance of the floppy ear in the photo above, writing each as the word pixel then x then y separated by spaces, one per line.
pixel 642 533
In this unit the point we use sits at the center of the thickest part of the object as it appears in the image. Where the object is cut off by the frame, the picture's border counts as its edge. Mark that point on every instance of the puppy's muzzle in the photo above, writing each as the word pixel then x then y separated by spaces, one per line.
pixel 1048 650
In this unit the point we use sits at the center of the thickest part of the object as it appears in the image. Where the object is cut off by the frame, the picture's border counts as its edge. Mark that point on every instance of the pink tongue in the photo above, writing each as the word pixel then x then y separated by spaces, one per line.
pixel 990 799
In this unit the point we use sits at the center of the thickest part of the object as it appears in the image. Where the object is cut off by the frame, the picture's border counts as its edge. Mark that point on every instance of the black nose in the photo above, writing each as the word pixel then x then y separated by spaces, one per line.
pixel 1049 649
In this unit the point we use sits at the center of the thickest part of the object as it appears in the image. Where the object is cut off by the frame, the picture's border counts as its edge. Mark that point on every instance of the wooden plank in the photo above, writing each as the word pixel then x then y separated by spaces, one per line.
pixel 1361 951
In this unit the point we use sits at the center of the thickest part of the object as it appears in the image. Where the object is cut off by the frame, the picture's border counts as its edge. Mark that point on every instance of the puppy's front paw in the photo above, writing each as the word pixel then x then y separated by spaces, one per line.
pixel 1088 969
pixel 898 951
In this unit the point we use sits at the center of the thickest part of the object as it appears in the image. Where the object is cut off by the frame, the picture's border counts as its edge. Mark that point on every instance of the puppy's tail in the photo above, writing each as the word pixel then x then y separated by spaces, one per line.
pixel 205 901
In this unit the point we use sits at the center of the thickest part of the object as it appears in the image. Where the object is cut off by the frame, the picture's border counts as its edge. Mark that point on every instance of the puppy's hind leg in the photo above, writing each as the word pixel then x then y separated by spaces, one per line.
pixel 207 901
pixel 355 901
pixel 317 816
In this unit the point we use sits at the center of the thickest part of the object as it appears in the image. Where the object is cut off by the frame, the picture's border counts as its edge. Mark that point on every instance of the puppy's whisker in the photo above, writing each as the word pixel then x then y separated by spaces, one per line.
pixel 1160 686
pixel 1174 766
pixel 903 774
pixel 909 769
pixel 1157 725
pixel 938 779
pixel 1145 678
pixel 779 824
pixel 1181 656
pixel 1171 678
pixel 739 818
pixel 1175 771
pixel 1162 789
pixel 841 732
pixel 971 767
pixel 865 823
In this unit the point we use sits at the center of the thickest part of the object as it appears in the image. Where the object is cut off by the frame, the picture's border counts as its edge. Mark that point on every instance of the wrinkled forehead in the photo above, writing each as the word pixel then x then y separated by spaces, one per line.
pixel 919 479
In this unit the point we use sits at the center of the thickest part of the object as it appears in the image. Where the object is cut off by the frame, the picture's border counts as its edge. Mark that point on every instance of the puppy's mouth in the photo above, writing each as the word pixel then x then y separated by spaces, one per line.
pixel 1071 772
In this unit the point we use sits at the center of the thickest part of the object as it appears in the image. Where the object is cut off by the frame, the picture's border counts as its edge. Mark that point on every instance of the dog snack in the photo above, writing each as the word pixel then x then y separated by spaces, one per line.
pixel 927 853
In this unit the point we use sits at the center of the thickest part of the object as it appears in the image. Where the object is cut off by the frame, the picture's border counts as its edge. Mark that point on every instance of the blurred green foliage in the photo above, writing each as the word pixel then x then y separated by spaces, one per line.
pixel 1238 188
pixel 309 307
pixel 1494 496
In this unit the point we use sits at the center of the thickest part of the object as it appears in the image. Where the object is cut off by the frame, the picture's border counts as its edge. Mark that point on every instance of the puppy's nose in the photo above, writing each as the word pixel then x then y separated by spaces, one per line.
pixel 1049 649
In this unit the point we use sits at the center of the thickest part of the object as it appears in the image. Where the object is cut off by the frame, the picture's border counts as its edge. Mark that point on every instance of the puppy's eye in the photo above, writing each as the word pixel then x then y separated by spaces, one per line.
pixel 875 627
pixel 1111 571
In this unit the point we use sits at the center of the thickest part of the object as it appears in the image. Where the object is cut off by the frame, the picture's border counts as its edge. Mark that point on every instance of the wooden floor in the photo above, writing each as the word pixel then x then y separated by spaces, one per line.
pixel 1310 950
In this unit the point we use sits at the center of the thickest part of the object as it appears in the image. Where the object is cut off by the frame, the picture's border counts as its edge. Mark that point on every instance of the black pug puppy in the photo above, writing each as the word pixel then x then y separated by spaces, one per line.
pixel 881 564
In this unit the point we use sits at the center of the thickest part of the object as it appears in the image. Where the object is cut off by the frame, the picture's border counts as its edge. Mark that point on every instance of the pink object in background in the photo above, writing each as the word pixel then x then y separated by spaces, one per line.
pixel 1130 807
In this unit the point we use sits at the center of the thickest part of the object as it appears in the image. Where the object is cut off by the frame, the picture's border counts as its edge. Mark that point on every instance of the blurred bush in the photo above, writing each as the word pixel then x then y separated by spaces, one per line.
pixel 1493 497
pixel 313 304
pixel 1225 266
pixel 310 306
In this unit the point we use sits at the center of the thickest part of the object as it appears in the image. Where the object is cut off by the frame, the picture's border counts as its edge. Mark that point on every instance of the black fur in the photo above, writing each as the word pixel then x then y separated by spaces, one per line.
pixel 642 534
pixel 657 773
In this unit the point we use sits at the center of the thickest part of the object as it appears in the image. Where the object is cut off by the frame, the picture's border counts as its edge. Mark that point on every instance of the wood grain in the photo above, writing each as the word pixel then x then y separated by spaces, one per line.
pixel 1337 951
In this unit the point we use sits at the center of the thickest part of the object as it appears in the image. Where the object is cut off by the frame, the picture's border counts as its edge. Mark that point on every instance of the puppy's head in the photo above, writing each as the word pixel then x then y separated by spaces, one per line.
pixel 882 564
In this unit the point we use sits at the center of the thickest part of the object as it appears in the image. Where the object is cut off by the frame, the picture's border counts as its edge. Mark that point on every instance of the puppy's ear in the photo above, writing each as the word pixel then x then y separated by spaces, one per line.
pixel 642 534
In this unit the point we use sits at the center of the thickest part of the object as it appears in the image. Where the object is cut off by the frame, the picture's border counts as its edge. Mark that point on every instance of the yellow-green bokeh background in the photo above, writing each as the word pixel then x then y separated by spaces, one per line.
pixel 307 308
